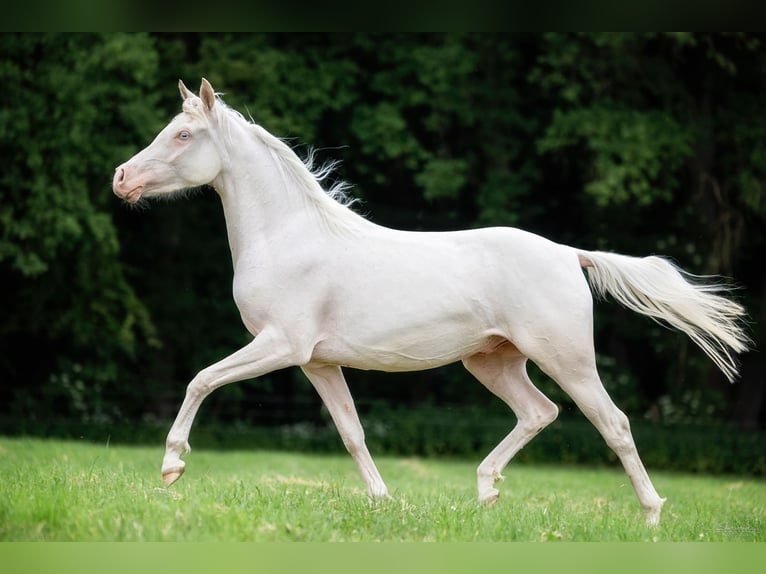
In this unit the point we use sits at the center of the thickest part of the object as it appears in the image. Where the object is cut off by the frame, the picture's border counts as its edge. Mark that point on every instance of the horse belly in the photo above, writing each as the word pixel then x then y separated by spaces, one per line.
pixel 408 336
pixel 398 356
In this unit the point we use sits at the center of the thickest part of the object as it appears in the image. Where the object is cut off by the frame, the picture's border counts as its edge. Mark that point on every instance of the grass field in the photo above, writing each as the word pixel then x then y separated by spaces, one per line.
pixel 56 490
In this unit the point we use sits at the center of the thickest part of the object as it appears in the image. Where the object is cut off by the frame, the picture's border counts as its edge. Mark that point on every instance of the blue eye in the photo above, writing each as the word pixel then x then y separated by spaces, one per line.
pixel 184 135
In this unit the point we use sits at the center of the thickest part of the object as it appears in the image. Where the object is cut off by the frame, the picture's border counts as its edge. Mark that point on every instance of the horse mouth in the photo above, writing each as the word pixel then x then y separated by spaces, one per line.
pixel 134 194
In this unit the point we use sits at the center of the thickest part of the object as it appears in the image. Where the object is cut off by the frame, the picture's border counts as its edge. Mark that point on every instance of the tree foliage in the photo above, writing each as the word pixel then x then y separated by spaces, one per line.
pixel 639 143
pixel 68 300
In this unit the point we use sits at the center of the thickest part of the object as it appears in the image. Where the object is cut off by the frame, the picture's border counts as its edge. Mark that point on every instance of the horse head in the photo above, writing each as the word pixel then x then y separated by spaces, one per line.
pixel 183 155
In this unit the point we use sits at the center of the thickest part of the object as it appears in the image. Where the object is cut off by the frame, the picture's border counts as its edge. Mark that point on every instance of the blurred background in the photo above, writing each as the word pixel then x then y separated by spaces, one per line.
pixel 635 143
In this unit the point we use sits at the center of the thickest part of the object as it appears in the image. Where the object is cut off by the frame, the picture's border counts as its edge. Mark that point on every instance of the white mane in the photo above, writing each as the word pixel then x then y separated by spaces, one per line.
pixel 333 203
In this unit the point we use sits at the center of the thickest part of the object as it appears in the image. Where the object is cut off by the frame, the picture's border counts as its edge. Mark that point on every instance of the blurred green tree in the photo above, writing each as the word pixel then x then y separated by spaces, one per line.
pixel 72 106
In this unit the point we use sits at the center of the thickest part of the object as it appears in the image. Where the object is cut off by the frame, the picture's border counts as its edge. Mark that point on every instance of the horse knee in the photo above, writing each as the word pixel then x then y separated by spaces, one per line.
pixel 200 385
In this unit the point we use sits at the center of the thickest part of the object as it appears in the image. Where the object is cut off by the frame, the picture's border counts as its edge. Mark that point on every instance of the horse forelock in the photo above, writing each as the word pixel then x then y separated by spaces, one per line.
pixel 193 106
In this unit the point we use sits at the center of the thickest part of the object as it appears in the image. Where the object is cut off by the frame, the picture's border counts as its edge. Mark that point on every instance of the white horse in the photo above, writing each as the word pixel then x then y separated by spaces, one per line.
pixel 320 287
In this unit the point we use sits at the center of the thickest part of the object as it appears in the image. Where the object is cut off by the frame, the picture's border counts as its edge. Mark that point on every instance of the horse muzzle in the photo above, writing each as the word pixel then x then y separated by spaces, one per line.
pixel 125 187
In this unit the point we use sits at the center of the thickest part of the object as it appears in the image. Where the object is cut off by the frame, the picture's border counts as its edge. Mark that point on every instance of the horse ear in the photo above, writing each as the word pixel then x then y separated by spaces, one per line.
pixel 207 94
pixel 185 93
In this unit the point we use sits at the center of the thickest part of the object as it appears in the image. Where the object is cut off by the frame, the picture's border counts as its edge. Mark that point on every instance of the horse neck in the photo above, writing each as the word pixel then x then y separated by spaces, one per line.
pixel 261 204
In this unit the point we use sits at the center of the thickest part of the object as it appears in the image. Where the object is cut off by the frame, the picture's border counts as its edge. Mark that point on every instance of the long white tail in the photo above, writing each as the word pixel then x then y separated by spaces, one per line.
pixel 656 287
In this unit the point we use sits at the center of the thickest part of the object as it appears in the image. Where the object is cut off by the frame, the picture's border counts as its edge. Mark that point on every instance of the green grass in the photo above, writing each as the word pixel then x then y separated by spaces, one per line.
pixel 57 490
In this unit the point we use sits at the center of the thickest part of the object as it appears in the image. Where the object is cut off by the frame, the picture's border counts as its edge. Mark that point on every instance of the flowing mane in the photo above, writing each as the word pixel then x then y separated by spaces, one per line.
pixel 333 203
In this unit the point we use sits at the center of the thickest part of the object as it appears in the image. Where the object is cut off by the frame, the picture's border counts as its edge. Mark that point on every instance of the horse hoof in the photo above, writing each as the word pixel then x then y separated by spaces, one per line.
pixel 491 498
pixel 171 476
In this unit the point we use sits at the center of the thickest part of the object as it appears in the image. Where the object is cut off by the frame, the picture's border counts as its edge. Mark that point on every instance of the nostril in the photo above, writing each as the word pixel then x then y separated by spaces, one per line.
pixel 119 178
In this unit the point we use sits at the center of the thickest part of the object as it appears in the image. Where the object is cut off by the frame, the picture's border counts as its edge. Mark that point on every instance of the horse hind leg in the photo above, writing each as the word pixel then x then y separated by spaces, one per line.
pixel 578 377
pixel 503 372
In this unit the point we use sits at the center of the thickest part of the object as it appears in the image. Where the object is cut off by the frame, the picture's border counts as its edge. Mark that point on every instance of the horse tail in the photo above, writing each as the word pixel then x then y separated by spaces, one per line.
pixel 656 287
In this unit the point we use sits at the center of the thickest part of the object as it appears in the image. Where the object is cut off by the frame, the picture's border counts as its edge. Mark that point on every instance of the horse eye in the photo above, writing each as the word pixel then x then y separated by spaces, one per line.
pixel 184 135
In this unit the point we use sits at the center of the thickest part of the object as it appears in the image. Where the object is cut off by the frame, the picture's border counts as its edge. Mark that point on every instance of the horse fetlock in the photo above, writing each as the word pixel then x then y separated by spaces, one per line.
pixel 378 496
pixel 652 513
pixel 488 477
pixel 488 494
pixel 376 489
pixel 176 446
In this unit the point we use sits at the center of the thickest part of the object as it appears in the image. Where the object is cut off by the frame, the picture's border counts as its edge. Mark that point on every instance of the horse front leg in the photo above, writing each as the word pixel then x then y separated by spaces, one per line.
pixel 329 382
pixel 267 352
